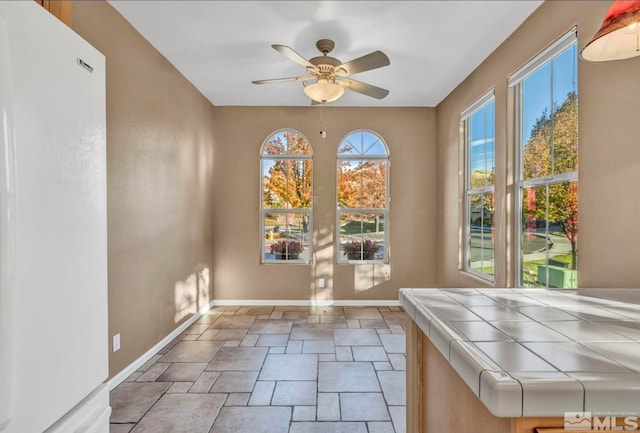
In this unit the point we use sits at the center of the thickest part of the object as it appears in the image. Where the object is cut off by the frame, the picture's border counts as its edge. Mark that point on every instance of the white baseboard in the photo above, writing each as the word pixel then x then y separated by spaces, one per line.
pixel 303 303
pixel 133 367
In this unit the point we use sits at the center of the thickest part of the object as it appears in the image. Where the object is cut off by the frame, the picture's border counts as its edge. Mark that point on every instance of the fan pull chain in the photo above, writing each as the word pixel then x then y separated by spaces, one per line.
pixel 323 133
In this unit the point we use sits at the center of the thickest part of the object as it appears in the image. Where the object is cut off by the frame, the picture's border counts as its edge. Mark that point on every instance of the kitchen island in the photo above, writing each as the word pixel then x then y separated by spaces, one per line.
pixel 517 360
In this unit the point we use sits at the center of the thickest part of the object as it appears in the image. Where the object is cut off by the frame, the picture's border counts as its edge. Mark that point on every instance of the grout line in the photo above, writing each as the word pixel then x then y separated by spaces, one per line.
pixel 292 407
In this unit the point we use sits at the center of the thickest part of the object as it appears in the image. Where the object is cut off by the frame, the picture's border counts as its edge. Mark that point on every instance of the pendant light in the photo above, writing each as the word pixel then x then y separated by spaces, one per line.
pixel 619 35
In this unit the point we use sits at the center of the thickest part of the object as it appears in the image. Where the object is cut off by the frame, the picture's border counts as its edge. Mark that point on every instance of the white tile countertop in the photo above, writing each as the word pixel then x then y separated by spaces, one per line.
pixel 537 352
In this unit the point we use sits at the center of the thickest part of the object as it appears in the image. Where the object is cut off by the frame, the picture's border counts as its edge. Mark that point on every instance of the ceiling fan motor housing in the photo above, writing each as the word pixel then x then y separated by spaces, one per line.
pixel 323 64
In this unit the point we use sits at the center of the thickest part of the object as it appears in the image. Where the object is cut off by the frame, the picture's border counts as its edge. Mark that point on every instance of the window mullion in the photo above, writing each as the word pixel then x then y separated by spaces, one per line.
pixel 558 178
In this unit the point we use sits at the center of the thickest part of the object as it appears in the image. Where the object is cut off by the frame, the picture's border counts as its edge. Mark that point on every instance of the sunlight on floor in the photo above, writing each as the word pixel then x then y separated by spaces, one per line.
pixel 273 369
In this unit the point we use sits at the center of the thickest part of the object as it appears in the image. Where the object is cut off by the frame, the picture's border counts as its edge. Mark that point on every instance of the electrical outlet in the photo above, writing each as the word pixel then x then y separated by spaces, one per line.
pixel 321 282
pixel 116 342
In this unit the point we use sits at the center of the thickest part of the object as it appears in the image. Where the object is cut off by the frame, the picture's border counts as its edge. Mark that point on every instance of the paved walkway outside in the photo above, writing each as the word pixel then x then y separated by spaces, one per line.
pixel 273 370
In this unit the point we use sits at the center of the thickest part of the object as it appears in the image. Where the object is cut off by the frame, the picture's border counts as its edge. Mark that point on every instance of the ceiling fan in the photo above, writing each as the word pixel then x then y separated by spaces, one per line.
pixel 328 76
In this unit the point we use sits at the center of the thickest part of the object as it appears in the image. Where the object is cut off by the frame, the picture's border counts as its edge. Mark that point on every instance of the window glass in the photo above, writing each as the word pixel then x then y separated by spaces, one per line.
pixel 478 124
pixel 362 198
pixel 287 194
pixel 547 103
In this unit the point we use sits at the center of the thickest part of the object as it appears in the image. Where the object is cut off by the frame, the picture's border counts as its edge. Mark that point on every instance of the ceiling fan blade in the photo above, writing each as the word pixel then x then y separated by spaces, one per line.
pixel 364 88
pixel 292 55
pixel 374 60
pixel 281 80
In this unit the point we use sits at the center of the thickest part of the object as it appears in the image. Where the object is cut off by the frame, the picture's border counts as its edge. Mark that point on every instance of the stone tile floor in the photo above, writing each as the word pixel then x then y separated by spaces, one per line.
pixel 273 370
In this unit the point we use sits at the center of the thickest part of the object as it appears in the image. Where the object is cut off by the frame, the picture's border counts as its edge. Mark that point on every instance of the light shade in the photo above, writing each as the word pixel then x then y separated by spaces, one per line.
pixel 619 35
pixel 324 91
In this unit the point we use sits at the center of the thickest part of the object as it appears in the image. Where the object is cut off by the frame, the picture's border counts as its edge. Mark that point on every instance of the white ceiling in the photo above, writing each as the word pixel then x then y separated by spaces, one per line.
pixel 221 46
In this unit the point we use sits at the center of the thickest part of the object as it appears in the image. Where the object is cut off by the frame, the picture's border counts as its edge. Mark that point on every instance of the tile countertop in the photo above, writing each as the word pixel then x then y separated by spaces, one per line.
pixel 537 352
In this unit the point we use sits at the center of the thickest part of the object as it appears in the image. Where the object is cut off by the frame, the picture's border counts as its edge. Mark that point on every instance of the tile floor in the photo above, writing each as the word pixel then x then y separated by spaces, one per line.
pixel 273 370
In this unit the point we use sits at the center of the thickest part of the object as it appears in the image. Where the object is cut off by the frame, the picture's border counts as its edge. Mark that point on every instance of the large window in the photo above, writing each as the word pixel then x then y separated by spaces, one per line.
pixel 547 139
pixel 286 194
pixel 478 126
pixel 363 198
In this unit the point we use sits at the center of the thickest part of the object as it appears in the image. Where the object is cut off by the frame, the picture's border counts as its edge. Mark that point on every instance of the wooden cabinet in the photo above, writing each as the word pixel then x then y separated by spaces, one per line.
pixel 58 8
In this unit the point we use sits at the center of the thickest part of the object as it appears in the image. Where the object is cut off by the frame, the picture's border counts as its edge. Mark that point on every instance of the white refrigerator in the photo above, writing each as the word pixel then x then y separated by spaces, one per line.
pixel 53 227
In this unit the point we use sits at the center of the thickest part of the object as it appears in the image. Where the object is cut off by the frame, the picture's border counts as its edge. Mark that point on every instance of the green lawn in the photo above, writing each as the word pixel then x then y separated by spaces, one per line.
pixel 296 227
pixel 355 227
pixel 485 269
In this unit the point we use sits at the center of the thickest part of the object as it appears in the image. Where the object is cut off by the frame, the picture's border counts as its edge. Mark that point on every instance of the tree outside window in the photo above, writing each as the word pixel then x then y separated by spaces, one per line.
pixel 363 205
pixel 287 195
pixel 548 176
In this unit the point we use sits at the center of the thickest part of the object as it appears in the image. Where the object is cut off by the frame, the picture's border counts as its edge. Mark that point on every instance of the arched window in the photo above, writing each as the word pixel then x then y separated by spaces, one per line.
pixel 363 198
pixel 287 195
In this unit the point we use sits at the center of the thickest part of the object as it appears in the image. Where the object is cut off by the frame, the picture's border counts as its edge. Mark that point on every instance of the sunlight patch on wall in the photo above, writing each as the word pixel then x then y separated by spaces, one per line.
pixel 366 277
pixel 323 271
pixel 191 294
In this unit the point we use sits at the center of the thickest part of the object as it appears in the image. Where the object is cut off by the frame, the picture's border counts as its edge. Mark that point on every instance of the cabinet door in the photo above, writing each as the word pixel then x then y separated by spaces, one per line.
pixel 61 9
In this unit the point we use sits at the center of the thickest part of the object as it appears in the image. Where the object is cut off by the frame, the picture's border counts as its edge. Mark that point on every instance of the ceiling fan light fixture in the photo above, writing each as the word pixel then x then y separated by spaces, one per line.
pixel 323 91
pixel 619 35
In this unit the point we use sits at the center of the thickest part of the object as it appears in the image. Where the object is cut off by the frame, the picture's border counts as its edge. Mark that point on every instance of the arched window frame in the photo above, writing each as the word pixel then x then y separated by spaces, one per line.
pixel 344 213
pixel 293 222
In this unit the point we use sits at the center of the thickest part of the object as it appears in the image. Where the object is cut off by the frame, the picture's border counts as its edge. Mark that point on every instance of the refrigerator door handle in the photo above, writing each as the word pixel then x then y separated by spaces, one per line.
pixel 7 231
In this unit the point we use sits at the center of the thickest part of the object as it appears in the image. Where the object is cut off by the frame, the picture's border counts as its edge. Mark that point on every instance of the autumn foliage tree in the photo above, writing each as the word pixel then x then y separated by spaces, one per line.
pixel 288 182
pixel 362 184
pixel 553 149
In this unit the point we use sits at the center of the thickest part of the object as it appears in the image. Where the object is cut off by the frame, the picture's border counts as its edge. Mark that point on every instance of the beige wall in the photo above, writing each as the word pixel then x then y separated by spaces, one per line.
pixel 181 173
pixel 609 204
pixel 159 190
pixel 239 134
pixel 163 212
